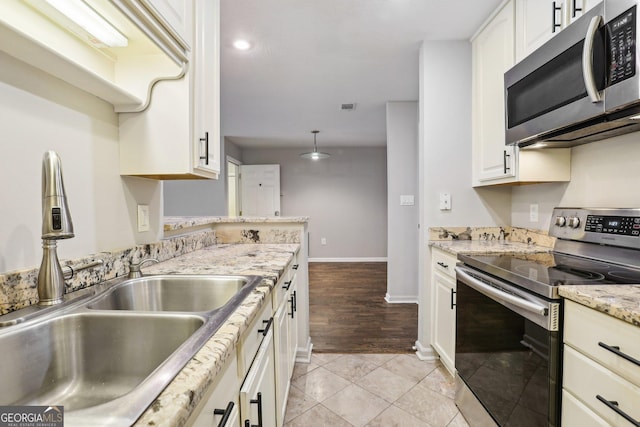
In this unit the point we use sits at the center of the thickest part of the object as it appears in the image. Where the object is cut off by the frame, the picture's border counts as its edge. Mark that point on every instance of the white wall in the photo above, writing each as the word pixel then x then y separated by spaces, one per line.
pixel 402 221
pixel 40 113
pixel 603 174
pixel 345 197
pixel 445 160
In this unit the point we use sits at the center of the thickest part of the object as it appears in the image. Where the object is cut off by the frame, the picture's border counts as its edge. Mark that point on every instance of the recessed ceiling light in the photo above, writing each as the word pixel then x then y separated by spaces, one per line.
pixel 242 44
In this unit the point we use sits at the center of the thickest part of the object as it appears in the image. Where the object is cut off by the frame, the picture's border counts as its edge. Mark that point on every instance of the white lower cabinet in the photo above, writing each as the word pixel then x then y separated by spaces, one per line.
pixel 257 396
pixel 601 369
pixel 220 405
pixel 443 309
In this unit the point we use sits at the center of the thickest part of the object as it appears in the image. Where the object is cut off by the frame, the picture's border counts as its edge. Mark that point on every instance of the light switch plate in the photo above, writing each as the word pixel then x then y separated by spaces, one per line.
pixel 143 218
pixel 533 212
pixel 407 200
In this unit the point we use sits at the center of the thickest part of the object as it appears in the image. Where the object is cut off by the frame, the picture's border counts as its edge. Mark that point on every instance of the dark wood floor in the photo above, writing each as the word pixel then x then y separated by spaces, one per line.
pixel 348 313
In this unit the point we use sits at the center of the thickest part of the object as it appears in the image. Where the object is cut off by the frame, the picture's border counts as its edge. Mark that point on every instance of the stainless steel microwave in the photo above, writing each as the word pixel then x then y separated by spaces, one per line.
pixel 583 85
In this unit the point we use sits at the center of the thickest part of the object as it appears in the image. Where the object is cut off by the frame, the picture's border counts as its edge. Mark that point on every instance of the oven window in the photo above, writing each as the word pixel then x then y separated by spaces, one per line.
pixel 508 362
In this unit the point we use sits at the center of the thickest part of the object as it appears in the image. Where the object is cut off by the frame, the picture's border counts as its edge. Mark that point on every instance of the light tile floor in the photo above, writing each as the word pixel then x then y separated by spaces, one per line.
pixel 382 390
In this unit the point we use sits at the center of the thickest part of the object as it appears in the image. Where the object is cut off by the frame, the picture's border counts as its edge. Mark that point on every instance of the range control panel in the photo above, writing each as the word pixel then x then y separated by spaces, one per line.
pixel 626 225
pixel 615 227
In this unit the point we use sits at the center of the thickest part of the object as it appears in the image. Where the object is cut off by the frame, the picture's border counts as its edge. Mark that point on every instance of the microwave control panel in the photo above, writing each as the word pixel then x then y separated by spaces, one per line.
pixel 622 46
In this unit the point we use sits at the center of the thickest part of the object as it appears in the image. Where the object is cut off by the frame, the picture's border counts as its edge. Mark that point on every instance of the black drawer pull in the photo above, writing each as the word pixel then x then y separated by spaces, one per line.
pixel 295 302
pixel 206 148
pixel 286 285
pixel 615 349
pixel 258 402
pixel 226 413
pixel 613 405
pixel 442 264
pixel 453 304
pixel 554 25
pixel 265 331
pixel 295 266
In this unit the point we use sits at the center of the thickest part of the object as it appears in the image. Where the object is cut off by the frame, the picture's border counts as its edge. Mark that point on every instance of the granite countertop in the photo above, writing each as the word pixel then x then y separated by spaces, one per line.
pixel 456 247
pixel 619 301
pixel 174 405
pixel 180 222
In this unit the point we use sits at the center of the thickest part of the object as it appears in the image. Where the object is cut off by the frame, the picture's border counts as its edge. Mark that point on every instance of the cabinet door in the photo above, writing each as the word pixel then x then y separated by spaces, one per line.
pixel 206 87
pixel 444 333
pixel 536 22
pixel 292 316
pixel 493 54
pixel 257 394
pixel 220 401
pixel 175 15
pixel 281 337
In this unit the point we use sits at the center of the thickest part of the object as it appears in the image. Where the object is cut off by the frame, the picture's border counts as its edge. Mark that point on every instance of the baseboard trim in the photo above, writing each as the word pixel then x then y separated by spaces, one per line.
pixel 303 354
pixel 425 353
pixel 402 299
pixel 372 259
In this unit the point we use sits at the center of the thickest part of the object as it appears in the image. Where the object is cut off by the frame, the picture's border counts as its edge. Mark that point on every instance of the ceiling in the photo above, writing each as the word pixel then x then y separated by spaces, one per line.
pixel 310 56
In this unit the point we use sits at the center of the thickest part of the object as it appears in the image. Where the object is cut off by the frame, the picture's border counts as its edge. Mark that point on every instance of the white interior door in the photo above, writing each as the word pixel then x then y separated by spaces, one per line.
pixel 260 190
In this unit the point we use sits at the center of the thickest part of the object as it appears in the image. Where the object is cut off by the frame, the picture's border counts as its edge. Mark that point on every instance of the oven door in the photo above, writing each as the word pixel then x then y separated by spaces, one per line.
pixel 508 351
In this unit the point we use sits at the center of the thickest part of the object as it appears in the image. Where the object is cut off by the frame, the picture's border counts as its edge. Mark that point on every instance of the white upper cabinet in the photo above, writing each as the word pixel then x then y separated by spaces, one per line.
pixel 176 16
pixel 492 55
pixel 539 20
pixel 122 72
pixel 178 136
pixel 493 162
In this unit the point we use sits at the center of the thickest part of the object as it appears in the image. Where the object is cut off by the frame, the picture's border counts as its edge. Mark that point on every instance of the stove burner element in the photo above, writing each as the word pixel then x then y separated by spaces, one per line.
pixel 577 273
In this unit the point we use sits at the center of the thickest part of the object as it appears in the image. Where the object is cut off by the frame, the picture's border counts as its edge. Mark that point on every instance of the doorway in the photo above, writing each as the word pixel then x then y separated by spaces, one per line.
pixel 233 187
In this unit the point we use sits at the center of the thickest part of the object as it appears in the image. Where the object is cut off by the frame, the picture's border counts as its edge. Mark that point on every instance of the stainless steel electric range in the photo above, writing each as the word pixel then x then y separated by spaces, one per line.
pixel 509 315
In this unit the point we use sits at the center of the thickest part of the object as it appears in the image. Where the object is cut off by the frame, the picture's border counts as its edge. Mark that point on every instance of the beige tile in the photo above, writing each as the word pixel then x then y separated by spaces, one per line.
pixel 351 367
pixel 301 369
pixel 320 383
pixel 318 416
pixel 409 366
pixel 378 359
pixel 396 417
pixel 428 405
pixel 324 358
pixel 458 421
pixel 386 384
pixel 356 405
pixel 440 380
pixel 298 403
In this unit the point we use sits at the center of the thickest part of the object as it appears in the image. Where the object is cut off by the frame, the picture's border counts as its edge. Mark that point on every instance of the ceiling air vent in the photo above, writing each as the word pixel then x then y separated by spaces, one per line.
pixel 348 107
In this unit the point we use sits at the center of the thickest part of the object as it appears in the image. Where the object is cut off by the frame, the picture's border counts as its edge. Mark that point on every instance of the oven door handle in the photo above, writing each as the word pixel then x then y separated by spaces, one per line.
pixel 499 295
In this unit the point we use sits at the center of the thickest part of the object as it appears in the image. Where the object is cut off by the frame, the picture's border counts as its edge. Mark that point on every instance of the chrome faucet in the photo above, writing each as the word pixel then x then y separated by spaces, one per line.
pixel 56 225
pixel 134 268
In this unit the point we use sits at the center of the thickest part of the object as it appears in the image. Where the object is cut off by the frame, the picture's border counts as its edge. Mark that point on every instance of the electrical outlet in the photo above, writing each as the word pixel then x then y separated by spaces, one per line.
pixel 323 241
pixel 533 212
pixel 143 218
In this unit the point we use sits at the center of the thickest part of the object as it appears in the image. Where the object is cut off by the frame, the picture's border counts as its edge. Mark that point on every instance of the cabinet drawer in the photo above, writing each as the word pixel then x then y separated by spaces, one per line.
pixel 585 328
pixel 586 379
pixel 575 413
pixel 443 262
pixel 222 396
pixel 250 341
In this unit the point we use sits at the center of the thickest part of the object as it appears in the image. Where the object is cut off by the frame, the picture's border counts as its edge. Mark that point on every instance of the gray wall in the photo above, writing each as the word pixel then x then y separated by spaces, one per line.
pixel 445 161
pixel 206 197
pixel 345 197
pixel 402 222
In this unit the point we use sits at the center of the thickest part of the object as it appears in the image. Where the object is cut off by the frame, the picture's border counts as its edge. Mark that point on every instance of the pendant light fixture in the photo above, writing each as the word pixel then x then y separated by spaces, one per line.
pixel 315 154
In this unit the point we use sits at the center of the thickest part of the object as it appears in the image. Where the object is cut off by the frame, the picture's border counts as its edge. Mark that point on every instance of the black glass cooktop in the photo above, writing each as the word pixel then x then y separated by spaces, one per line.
pixel 552 270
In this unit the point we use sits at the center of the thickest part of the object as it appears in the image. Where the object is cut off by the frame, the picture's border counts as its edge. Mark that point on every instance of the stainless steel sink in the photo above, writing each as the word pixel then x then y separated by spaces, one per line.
pixel 187 293
pixel 106 358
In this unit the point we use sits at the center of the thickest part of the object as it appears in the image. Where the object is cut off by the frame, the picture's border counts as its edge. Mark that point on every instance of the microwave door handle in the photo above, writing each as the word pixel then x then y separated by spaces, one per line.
pixel 587 63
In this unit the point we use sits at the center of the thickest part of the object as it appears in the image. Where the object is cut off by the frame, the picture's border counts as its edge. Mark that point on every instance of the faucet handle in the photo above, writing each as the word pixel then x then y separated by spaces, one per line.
pixel 134 268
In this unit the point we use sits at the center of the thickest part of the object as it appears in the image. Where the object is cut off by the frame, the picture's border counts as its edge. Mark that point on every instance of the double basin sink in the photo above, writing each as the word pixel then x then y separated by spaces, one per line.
pixel 106 355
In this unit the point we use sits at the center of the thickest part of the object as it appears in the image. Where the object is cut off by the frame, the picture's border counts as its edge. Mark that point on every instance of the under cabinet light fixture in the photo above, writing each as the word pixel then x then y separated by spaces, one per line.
pixel 81 19
pixel 315 154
